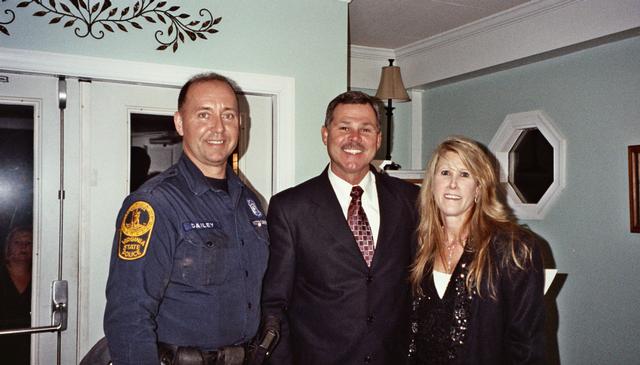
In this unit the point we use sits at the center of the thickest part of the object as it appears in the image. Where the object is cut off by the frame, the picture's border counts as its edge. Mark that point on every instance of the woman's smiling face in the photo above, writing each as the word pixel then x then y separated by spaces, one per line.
pixel 454 188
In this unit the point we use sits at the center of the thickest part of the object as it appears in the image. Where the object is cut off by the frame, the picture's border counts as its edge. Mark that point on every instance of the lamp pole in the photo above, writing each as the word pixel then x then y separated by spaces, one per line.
pixel 392 165
pixel 389 108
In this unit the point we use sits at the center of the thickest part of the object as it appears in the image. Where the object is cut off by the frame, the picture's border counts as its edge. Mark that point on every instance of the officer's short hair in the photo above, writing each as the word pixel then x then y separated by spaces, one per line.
pixel 204 77
pixel 354 97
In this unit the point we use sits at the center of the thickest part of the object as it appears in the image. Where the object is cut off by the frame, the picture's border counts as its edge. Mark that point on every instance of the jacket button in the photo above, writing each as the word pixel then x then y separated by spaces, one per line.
pixel 209 243
pixel 369 278
pixel 246 273
pixel 370 319
pixel 367 359
pixel 249 305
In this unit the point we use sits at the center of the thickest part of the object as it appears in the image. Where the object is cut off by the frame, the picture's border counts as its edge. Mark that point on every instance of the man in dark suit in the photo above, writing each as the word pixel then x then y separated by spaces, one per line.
pixel 337 280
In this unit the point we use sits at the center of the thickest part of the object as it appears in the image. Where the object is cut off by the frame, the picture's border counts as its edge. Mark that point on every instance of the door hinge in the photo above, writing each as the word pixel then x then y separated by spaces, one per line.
pixel 62 92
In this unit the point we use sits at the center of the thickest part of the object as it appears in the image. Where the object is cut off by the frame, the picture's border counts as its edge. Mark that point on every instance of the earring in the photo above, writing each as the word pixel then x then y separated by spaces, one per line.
pixel 475 199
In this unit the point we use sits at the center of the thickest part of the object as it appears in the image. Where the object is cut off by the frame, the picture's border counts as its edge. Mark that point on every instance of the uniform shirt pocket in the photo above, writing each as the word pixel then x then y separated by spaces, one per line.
pixel 205 257
pixel 260 230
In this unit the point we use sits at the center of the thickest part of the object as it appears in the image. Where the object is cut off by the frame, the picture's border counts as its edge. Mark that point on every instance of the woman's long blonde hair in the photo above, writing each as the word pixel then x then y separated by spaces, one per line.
pixel 488 215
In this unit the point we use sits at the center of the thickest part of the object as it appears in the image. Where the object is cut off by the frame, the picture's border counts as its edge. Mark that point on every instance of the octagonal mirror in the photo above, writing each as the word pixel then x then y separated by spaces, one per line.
pixel 531 152
pixel 531 166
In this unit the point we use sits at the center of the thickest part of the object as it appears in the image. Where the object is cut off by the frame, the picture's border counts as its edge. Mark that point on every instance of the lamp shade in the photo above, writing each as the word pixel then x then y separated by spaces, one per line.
pixel 391 86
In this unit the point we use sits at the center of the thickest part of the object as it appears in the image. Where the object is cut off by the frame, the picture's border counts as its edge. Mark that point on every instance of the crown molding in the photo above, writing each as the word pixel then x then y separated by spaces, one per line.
pixel 485 25
pixel 365 64
pixel 416 55
pixel 371 53
pixel 532 31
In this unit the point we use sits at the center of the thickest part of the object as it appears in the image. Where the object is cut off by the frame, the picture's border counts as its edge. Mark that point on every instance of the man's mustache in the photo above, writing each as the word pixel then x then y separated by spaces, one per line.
pixel 353 146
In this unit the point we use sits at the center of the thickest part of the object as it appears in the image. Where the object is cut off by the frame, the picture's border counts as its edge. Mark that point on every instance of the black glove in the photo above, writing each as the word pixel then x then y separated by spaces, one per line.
pixel 266 342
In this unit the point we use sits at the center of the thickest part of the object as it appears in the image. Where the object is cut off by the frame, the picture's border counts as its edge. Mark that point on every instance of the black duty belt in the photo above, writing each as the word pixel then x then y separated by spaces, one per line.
pixel 184 355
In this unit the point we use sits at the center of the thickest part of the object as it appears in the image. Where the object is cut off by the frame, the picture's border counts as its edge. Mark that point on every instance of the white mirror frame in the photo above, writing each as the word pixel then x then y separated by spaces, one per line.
pixel 504 140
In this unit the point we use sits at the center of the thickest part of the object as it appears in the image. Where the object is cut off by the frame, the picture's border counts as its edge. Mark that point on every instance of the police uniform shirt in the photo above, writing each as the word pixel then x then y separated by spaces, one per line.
pixel 186 267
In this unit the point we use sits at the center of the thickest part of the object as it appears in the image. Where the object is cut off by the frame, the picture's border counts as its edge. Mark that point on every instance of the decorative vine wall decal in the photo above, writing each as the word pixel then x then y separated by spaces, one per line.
pixel 93 18
pixel 4 22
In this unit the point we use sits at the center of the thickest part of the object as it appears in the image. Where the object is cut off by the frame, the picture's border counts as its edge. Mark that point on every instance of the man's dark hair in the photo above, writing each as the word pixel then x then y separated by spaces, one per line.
pixel 354 97
pixel 204 77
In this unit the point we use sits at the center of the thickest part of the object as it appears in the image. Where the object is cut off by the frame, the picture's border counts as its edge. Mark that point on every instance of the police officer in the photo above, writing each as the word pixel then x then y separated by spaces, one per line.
pixel 190 248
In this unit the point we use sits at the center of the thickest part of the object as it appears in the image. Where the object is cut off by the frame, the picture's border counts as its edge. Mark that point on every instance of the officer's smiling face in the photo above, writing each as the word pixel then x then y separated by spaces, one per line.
pixel 209 124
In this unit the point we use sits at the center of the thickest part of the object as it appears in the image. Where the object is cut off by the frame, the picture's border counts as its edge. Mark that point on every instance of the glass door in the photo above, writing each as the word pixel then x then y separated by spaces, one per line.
pixel 32 229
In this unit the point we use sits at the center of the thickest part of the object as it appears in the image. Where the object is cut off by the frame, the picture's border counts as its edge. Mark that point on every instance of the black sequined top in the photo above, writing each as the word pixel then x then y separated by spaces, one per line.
pixel 439 326
pixel 464 328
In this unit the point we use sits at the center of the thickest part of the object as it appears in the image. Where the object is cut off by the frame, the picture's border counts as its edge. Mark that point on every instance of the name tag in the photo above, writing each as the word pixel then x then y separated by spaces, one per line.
pixel 189 226
pixel 259 222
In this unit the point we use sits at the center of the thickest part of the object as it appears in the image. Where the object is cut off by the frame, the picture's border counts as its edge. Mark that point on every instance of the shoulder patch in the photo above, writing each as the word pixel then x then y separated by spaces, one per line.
pixel 135 231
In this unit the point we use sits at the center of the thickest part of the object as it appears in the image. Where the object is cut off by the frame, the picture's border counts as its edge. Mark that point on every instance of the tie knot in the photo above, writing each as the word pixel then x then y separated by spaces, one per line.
pixel 356 192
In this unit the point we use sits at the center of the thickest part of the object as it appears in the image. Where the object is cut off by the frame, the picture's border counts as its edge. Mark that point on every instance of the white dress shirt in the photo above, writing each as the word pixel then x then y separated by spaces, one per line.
pixel 369 199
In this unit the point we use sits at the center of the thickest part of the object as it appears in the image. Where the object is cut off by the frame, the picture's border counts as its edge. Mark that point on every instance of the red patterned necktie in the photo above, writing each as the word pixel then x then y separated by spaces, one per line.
pixel 359 225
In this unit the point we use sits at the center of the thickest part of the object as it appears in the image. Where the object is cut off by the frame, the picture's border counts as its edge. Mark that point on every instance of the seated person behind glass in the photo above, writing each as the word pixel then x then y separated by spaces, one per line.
pixel 15 291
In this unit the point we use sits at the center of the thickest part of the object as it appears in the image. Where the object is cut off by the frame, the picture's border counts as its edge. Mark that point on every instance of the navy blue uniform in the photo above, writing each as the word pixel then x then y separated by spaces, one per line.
pixel 186 266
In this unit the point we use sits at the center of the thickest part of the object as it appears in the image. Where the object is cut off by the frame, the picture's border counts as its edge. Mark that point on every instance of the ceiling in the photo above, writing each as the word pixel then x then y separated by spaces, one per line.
pixel 396 23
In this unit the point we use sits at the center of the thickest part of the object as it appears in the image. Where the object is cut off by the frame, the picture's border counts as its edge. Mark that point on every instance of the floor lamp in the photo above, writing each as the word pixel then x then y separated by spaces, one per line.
pixel 391 89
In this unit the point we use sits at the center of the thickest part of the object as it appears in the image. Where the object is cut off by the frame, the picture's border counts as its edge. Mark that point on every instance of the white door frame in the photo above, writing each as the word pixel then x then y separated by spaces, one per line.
pixel 281 87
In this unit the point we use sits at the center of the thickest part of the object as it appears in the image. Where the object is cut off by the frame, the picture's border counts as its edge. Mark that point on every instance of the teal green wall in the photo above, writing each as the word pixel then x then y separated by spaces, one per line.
pixel 303 39
pixel 593 96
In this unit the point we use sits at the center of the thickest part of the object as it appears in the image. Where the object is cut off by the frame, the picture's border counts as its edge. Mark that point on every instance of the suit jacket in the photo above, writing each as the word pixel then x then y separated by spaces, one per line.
pixel 507 330
pixel 334 309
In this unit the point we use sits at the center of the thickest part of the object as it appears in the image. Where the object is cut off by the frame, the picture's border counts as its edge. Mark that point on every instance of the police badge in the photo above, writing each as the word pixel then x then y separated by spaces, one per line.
pixel 135 231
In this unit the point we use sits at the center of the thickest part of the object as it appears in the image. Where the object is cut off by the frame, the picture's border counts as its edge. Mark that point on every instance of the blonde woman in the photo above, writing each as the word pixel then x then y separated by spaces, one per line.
pixel 477 277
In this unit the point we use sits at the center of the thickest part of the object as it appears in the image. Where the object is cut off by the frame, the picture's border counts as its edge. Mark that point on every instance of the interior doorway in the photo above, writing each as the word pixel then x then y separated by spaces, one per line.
pixel 102 122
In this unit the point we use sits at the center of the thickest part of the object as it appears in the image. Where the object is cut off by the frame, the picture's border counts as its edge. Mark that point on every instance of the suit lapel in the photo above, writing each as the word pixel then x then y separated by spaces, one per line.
pixel 327 214
pixel 390 218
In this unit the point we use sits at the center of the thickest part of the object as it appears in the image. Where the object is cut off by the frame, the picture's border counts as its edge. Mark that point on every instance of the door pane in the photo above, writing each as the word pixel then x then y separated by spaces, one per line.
pixel 155 146
pixel 16 236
